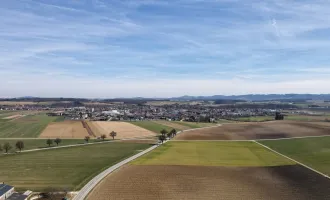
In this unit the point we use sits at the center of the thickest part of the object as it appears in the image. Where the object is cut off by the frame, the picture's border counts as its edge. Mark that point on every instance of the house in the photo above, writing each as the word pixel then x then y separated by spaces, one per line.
pixel 5 191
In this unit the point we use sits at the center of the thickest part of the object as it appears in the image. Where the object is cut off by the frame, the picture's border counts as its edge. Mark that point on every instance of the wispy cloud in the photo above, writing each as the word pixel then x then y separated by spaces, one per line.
pixel 130 41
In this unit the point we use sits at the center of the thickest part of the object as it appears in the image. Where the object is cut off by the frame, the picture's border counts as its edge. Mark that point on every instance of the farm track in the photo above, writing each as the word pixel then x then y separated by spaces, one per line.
pixel 89 130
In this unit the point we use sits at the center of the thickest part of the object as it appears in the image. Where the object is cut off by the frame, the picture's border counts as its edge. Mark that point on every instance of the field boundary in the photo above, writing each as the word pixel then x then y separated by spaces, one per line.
pixel 310 168
pixel 97 179
pixel 289 138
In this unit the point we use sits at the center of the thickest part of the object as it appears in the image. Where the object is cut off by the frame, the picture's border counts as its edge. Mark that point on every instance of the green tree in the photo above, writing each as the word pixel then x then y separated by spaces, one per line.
pixel 7 147
pixel 0 147
pixel 113 134
pixel 173 132
pixel 163 132
pixel 57 141
pixel 103 137
pixel 20 145
pixel 49 142
pixel 162 138
pixel 87 138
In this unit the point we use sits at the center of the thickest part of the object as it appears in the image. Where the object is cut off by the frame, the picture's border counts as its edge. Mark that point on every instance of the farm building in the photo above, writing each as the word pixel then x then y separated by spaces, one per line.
pixel 5 191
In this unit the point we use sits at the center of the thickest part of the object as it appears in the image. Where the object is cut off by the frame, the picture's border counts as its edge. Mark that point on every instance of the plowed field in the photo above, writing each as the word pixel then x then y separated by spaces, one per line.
pixel 123 129
pixel 202 182
pixel 65 129
pixel 264 130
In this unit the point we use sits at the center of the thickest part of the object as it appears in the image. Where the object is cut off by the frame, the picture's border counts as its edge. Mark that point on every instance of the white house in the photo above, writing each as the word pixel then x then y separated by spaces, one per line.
pixel 5 191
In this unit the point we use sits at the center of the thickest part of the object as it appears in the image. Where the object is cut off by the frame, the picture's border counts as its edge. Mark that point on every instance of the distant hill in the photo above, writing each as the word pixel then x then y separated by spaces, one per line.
pixel 257 97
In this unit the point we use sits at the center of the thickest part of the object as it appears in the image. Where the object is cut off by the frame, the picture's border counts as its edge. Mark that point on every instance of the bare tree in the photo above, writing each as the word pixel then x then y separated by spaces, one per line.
pixel 20 145
pixel 103 137
pixel 49 142
pixel 57 141
pixel 87 138
pixel 7 147
pixel 113 134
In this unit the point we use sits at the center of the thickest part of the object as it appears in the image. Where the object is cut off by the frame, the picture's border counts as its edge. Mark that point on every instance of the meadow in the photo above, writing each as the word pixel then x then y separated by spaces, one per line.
pixel 69 168
pixel 26 127
pixel 212 154
pixel 313 152
pixel 151 126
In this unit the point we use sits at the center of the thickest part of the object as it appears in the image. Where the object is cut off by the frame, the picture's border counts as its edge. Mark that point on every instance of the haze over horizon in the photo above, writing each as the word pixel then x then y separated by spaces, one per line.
pixel 163 48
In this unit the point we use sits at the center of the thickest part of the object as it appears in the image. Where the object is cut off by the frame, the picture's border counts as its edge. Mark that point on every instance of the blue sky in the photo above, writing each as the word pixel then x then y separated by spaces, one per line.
pixel 163 48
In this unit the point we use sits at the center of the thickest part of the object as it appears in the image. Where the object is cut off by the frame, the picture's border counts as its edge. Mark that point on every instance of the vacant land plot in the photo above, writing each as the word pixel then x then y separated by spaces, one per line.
pixel 65 129
pixel 314 152
pixel 123 129
pixel 25 127
pixel 265 130
pixel 69 168
pixel 212 154
pixel 212 170
pixel 152 126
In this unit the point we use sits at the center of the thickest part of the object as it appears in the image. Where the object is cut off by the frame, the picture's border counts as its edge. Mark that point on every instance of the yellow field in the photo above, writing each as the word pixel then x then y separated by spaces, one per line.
pixel 123 129
pixel 66 129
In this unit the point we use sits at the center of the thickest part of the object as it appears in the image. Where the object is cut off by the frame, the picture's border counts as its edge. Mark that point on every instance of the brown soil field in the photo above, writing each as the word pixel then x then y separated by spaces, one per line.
pixel 226 183
pixel 123 129
pixel 64 130
pixel 258 130
pixel 173 125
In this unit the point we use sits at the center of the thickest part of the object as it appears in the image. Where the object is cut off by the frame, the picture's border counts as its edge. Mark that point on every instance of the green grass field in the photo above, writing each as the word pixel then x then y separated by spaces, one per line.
pixel 68 168
pixel 151 126
pixel 194 124
pixel 41 143
pixel 26 127
pixel 314 152
pixel 212 154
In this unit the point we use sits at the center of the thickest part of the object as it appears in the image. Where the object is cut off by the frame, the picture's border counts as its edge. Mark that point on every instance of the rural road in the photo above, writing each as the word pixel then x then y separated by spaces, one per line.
pixel 91 184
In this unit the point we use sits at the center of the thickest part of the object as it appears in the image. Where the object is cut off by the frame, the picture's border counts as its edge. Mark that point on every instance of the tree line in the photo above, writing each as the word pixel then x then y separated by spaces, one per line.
pixel 20 144
pixel 165 134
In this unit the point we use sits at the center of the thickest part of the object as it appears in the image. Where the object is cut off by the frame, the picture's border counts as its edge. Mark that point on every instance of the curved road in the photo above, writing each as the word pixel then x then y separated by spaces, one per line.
pixel 91 184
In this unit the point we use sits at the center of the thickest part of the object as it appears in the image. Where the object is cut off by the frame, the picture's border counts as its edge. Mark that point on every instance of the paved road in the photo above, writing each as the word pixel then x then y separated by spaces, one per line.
pixel 91 184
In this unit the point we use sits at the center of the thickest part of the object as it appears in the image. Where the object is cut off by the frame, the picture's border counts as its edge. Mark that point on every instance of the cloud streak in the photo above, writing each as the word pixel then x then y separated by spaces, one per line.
pixel 197 42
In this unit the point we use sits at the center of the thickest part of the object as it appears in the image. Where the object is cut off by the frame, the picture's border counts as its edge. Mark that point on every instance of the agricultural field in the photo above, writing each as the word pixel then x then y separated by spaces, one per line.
pixel 192 125
pixel 256 119
pixel 313 152
pixel 212 170
pixel 152 126
pixel 69 168
pixel 252 131
pixel 41 143
pixel 65 130
pixel 307 118
pixel 29 126
pixel 123 129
